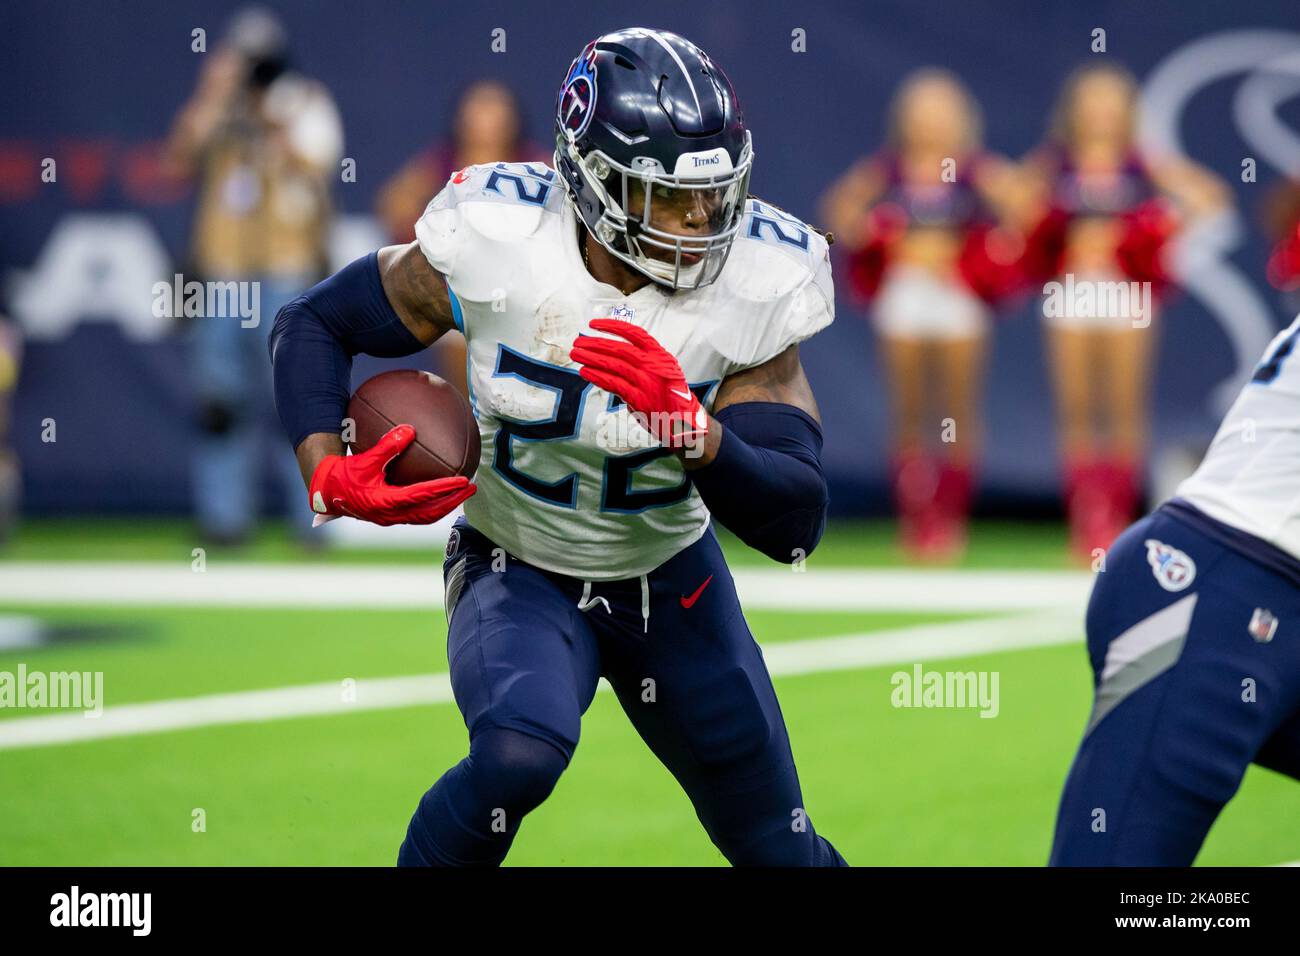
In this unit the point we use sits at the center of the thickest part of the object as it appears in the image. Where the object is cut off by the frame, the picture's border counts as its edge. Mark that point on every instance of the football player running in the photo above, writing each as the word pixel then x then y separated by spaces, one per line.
pixel 633 319
pixel 1194 636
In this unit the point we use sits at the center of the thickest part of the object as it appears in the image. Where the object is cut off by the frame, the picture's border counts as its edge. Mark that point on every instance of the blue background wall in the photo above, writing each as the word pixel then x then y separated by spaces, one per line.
pixel 116 73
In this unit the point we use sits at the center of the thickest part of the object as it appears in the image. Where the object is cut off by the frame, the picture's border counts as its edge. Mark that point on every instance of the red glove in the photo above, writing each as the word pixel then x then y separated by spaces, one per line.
pixel 355 485
pixel 646 376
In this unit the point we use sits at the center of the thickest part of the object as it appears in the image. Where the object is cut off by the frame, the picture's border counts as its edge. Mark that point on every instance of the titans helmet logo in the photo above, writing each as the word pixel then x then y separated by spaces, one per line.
pixel 578 94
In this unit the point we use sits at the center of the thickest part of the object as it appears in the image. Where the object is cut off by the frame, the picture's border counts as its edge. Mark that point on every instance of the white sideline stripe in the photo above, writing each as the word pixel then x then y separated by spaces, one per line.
pixel 896 645
pixel 405 587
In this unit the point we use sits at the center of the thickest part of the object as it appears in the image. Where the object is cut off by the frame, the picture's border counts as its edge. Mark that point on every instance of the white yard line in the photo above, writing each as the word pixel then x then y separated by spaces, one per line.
pixel 407 586
pixel 904 645
pixel 213 710
pixel 925 642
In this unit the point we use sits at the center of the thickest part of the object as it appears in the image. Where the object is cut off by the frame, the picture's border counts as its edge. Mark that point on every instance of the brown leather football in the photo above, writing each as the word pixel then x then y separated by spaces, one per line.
pixel 446 434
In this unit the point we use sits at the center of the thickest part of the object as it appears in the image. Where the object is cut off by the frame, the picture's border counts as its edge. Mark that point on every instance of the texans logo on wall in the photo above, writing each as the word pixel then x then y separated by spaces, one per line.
pixel 578 95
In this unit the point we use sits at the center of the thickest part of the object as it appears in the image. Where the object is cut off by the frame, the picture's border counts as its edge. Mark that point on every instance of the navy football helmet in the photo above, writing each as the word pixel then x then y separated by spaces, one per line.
pixel 645 118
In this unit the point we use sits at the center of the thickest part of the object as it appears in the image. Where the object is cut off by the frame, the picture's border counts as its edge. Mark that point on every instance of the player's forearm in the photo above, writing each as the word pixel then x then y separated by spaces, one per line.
pixel 764 480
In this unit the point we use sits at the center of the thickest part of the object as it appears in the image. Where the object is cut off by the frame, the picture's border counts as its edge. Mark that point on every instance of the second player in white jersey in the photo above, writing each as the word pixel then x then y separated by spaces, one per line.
pixel 567 481
pixel 1250 477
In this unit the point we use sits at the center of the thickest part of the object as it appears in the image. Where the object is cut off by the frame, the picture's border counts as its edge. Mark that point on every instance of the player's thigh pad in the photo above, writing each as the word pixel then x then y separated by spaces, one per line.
pixel 696 685
pixel 521 656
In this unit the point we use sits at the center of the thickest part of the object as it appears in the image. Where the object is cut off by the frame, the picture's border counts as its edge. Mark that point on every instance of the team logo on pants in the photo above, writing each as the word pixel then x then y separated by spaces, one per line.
pixel 1173 569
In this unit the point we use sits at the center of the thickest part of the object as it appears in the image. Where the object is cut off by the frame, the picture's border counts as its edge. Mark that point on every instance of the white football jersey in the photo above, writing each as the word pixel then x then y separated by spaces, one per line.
pixel 567 481
pixel 1250 478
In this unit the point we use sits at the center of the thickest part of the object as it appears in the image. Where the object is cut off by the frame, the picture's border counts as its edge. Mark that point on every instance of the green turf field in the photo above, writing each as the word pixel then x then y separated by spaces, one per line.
pixel 889 786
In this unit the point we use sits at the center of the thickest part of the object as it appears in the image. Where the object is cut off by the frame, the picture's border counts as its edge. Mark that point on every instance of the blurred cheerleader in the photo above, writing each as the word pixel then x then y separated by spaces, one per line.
pixel 1105 215
pixel 1282 220
pixel 919 222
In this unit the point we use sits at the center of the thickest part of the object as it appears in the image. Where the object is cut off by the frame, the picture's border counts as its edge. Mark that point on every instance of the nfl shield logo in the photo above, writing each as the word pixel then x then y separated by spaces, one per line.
pixel 1263 625
pixel 624 312
pixel 1172 568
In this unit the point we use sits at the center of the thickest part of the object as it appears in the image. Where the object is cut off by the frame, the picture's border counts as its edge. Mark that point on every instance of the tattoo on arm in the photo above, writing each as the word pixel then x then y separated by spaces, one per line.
pixel 781 379
pixel 778 380
pixel 416 291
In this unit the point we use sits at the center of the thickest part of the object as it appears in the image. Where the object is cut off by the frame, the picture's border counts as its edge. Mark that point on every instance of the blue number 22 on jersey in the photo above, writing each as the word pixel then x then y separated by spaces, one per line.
pixel 570 388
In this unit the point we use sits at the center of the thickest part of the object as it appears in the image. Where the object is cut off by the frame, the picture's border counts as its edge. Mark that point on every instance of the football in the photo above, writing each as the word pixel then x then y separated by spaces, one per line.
pixel 446 434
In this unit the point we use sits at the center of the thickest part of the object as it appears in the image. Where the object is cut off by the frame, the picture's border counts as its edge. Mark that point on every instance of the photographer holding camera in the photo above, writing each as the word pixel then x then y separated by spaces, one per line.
pixel 261 142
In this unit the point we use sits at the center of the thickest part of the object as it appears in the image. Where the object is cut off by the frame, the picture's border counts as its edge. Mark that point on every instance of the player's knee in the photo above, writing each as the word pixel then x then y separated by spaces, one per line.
pixel 513 770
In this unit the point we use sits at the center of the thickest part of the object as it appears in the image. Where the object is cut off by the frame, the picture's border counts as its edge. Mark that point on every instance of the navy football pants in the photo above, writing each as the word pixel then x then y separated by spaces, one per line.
pixel 527 648
pixel 1186 698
